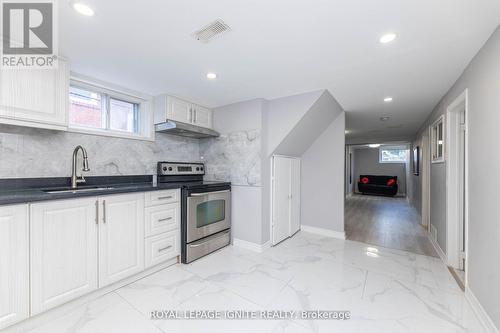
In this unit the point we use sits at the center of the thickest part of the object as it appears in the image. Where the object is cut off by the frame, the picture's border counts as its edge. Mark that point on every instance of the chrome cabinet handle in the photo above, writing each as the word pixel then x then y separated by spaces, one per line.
pixel 165 219
pixel 167 197
pixel 104 211
pixel 97 212
pixel 165 248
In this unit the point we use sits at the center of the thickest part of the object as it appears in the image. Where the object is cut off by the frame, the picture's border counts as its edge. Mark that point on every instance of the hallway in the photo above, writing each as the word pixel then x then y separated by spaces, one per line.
pixel 387 222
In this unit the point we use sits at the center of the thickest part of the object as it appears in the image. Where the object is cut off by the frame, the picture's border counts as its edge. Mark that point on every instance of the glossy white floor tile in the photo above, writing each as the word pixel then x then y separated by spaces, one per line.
pixel 385 290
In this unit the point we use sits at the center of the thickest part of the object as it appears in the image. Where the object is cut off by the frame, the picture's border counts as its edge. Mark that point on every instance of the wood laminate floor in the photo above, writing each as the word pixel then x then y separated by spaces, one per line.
pixel 387 222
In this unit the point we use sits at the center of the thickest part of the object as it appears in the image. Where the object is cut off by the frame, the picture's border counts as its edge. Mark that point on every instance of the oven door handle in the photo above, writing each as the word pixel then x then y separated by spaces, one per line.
pixel 222 234
pixel 207 193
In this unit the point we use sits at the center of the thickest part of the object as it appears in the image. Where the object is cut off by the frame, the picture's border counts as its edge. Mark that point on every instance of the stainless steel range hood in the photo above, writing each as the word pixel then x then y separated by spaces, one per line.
pixel 183 129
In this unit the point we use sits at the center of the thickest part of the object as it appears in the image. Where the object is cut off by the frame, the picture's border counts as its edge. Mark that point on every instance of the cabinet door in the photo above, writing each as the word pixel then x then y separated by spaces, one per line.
pixel 14 264
pixel 63 251
pixel 35 97
pixel 179 110
pixel 121 237
pixel 202 116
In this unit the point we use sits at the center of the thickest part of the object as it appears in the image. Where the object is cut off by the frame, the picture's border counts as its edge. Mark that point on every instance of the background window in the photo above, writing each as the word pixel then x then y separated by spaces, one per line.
pixel 393 155
pixel 86 108
pixel 93 109
pixel 437 140
pixel 123 116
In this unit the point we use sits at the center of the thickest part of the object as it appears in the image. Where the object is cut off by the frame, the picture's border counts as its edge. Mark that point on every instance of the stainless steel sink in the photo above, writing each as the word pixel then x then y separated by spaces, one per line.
pixel 77 190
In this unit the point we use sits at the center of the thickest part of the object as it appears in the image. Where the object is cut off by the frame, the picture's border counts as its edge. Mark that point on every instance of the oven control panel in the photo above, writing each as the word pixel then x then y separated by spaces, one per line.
pixel 178 168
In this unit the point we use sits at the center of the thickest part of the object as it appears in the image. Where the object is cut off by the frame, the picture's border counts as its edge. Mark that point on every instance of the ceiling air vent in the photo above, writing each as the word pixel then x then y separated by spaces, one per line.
pixel 212 30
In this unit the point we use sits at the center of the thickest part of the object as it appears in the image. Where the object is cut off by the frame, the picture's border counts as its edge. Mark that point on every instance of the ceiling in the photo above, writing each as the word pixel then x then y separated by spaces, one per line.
pixel 284 47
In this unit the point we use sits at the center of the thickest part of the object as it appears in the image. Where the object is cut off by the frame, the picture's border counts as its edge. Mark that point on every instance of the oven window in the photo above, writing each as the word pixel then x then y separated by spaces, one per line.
pixel 210 212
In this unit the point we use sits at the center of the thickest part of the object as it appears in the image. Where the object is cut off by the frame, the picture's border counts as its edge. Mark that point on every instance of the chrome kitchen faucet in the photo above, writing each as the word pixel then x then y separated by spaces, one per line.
pixel 75 180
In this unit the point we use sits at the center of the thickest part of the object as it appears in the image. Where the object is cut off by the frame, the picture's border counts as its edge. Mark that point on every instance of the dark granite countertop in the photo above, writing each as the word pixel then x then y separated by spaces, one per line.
pixel 25 190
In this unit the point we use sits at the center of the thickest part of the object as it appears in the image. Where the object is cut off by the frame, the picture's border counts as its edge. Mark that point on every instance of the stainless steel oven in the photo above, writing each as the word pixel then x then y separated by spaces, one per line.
pixel 205 207
pixel 208 213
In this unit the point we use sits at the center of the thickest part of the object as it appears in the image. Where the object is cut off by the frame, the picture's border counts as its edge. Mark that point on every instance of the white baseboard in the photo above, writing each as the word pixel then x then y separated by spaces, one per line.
pixel 481 314
pixel 438 249
pixel 323 232
pixel 251 246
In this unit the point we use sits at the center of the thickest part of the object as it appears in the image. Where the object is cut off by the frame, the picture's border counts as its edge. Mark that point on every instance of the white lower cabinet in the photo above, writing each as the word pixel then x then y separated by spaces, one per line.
pixel 162 223
pixel 121 237
pixel 162 247
pixel 63 251
pixel 14 264
pixel 52 252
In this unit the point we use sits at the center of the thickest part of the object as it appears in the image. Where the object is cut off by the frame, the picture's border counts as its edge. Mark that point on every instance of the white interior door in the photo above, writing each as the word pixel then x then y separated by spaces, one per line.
pixel 285 198
pixel 295 196
pixel 281 199
pixel 461 183
pixel 425 180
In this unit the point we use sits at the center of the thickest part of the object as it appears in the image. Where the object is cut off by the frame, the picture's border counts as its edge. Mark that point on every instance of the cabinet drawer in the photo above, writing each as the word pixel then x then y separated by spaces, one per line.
pixel 162 247
pixel 161 197
pixel 162 218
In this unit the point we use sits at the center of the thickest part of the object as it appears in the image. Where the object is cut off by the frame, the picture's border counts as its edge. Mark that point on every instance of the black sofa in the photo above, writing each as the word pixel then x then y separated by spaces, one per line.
pixel 377 185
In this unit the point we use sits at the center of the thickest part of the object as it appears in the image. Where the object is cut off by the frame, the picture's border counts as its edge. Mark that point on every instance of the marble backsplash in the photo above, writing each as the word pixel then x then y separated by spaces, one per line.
pixel 234 157
pixel 28 152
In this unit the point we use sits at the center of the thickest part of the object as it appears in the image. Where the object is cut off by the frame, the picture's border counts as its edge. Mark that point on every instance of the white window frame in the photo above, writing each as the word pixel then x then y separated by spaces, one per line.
pixel 145 130
pixel 393 148
pixel 435 158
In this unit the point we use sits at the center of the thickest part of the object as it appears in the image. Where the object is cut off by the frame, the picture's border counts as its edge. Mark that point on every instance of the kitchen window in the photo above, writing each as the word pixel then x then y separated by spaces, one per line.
pixel 437 140
pixel 393 154
pixel 100 111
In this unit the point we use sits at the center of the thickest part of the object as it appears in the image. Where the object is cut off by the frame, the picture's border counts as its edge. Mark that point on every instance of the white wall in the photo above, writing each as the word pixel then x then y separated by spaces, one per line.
pixel 482 79
pixel 239 116
pixel 246 213
pixel 289 125
pixel 236 155
pixel 322 178
pixel 283 114
pixel 313 122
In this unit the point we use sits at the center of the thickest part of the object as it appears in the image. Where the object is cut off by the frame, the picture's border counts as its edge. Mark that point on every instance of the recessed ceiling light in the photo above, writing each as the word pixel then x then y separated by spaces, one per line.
pixel 374 145
pixel 388 99
pixel 211 76
pixel 83 9
pixel 387 38
pixel 384 118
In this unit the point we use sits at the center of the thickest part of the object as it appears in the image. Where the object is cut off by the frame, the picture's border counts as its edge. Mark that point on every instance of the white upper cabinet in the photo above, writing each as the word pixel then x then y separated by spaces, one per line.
pixel 14 264
pixel 35 97
pixel 121 237
pixel 63 251
pixel 176 109
pixel 202 116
